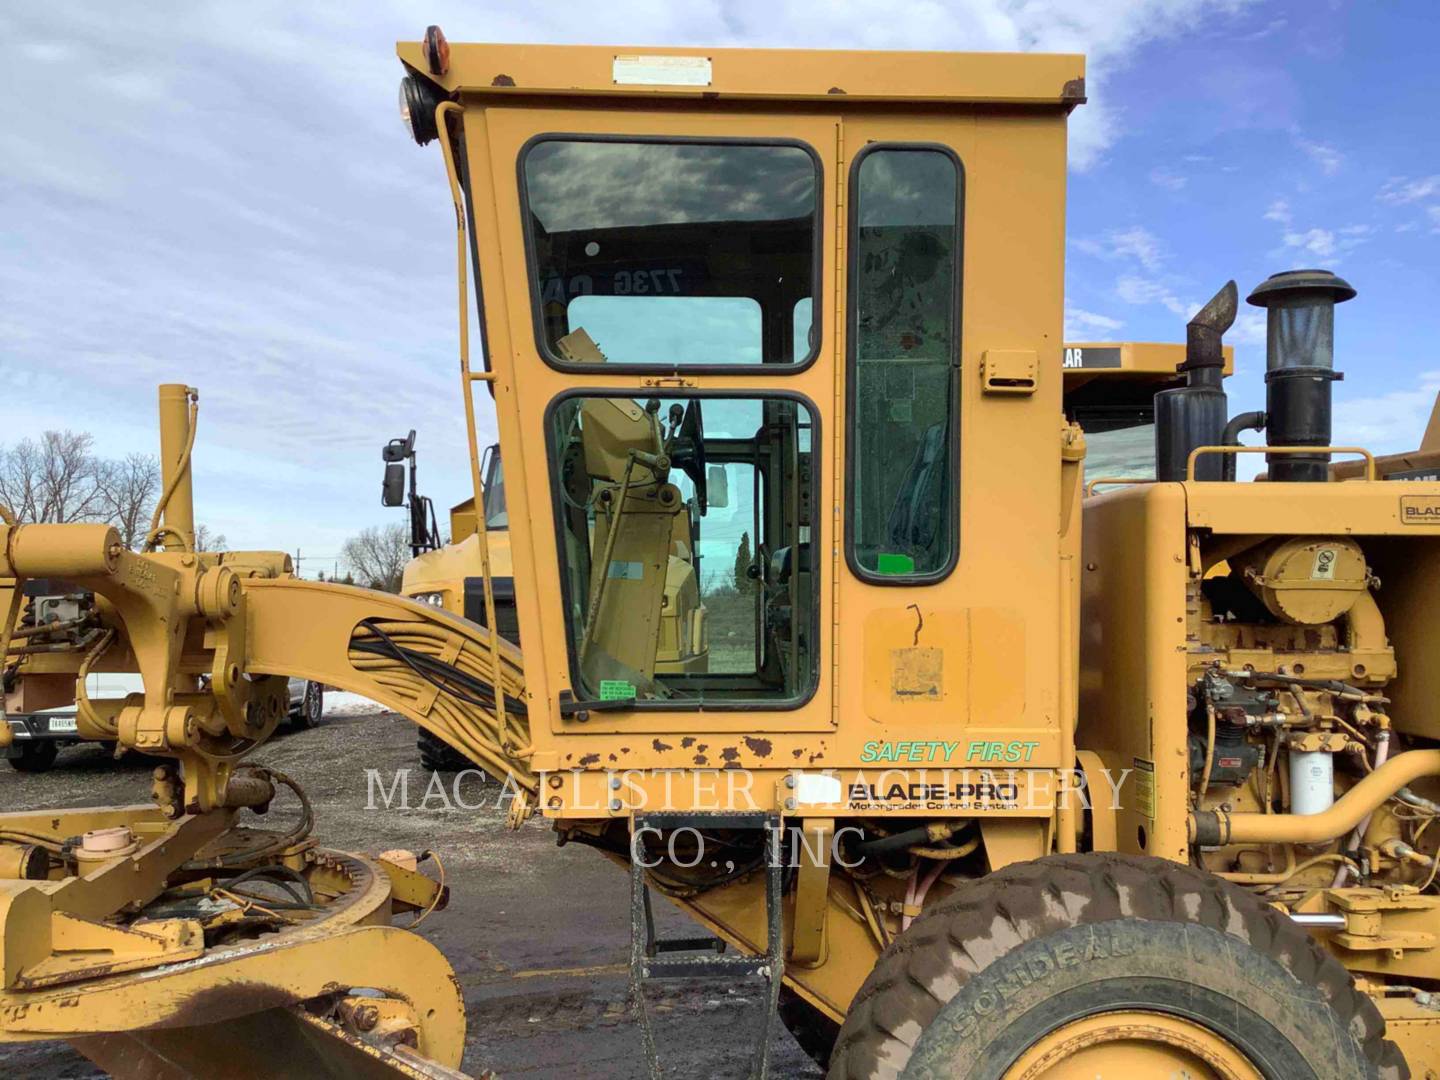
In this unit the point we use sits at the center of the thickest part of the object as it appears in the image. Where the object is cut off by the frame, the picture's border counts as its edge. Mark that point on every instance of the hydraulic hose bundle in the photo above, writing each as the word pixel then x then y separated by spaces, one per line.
pixel 451 683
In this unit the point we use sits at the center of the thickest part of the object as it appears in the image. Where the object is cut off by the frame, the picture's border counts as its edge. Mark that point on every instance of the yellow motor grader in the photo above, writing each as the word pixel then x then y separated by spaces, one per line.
pixel 999 773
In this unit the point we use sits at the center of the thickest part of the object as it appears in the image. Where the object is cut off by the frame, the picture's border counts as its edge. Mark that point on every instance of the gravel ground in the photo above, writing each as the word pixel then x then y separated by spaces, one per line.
pixel 538 935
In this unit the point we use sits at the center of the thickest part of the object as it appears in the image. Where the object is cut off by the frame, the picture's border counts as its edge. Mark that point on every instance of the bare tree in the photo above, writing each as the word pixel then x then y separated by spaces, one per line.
pixel 130 487
pixel 56 479
pixel 377 556
pixel 205 540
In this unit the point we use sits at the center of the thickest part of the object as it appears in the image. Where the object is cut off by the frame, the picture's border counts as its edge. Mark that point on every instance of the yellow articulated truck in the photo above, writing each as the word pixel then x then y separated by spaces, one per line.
pixel 994 772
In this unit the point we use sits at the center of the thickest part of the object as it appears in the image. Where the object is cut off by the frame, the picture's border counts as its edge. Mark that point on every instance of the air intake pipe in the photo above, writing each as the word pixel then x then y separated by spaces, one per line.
pixel 1194 414
pixel 1300 366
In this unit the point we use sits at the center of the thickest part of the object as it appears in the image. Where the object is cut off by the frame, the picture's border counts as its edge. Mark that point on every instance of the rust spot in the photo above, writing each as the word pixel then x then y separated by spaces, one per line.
pixel 702 747
pixel 730 753
pixel 814 758
pixel 834 90
pixel 624 749
pixel 661 746
pixel 732 765
pixel 589 759
pixel 758 747
pixel 687 742
pixel 502 80
pixel 614 758
pixel 701 759
pixel 797 753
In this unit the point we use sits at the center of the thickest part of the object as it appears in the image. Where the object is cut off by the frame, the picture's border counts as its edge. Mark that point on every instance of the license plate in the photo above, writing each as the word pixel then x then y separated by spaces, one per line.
pixel 62 723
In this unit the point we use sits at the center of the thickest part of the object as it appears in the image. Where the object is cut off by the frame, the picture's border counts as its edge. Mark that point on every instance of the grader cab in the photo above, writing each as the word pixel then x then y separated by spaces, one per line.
pixel 975 772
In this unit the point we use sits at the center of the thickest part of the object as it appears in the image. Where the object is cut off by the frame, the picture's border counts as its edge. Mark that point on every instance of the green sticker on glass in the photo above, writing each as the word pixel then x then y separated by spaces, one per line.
pixel 887 562
pixel 616 690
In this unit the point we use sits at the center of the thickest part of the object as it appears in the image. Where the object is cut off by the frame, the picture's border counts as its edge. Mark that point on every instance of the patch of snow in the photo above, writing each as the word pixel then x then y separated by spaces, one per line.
pixel 344 703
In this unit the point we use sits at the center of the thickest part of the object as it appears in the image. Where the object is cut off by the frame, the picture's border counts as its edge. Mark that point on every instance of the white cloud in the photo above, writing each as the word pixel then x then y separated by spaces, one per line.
pixel 1328 243
pixel 1318 242
pixel 1387 423
pixel 1274 26
pixel 1138 290
pixel 1136 242
pixel 1139 243
pixel 1279 211
pixel 1082 325
pixel 1400 190
pixel 1327 157
pixel 1167 178
pixel 1249 328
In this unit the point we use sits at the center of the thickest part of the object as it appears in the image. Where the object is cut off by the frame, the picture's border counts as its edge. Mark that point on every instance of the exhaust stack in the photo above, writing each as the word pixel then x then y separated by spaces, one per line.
pixel 1300 366
pixel 1195 414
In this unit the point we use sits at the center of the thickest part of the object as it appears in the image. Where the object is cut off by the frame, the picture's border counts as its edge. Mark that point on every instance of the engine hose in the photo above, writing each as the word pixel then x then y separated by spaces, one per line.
pixel 1245 421
pixel 1212 828
pixel 894 842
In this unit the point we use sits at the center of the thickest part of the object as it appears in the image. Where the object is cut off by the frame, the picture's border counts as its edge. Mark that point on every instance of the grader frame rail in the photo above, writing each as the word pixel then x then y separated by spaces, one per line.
pixel 1024 745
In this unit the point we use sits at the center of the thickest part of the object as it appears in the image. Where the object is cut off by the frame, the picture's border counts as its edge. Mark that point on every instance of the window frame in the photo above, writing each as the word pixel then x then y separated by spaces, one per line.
pixel 852 258
pixel 552 459
pixel 532 267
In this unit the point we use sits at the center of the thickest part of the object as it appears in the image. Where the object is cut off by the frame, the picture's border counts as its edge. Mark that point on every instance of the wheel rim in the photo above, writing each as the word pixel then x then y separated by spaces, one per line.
pixel 1132 1044
pixel 312 701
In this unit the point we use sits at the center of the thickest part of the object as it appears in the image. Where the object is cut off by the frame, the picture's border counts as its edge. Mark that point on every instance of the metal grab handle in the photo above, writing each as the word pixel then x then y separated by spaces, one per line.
pixel 1360 451
pixel 1093 484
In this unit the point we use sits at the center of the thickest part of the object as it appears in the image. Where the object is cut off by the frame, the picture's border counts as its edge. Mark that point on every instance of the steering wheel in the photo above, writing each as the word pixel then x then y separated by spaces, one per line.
pixel 690 452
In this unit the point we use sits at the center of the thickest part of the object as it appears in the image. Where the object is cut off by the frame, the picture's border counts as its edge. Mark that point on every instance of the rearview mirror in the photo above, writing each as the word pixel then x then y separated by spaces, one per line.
pixel 717 485
pixel 392 492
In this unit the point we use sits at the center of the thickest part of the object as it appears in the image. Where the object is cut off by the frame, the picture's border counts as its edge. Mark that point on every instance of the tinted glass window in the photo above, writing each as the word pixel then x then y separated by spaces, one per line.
pixel 686 548
pixel 672 254
pixel 653 329
pixel 904 353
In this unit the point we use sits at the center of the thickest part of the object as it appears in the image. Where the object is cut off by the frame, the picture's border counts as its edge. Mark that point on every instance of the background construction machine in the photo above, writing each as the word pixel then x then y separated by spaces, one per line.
pixel 998 780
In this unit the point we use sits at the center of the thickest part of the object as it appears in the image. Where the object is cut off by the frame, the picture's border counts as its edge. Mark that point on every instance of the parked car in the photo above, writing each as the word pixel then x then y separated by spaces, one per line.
pixel 307 703
pixel 39 737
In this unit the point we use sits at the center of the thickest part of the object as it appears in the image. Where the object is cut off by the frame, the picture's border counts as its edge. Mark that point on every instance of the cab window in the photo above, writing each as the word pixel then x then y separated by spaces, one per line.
pixel 672 254
pixel 686 548
pixel 904 345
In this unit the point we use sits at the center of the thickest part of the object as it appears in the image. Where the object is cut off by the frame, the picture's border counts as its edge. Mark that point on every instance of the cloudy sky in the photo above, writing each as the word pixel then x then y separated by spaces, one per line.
pixel 223 194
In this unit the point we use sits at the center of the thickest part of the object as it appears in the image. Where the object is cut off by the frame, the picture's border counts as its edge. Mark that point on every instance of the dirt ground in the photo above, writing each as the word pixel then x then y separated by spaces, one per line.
pixel 538 935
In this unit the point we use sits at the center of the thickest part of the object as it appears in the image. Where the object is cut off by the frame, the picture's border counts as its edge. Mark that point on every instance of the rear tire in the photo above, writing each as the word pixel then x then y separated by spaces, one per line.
pixel 35 757
pixel 999 976
pixel 812 1029
pixel 436 755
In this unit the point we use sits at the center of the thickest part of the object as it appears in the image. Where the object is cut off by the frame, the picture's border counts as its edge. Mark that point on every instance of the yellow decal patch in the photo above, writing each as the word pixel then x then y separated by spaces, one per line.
pixel 1420 510
pixel 917 674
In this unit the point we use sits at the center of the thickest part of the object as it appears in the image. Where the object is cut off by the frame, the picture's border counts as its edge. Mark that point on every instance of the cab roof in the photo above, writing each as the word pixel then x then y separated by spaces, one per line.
pixel 1013 79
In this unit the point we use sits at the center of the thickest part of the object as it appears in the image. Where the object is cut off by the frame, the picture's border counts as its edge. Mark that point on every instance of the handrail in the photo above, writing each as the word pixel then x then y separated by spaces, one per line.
pixel 1359 450
pixel 467 378
pixel 1093 484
